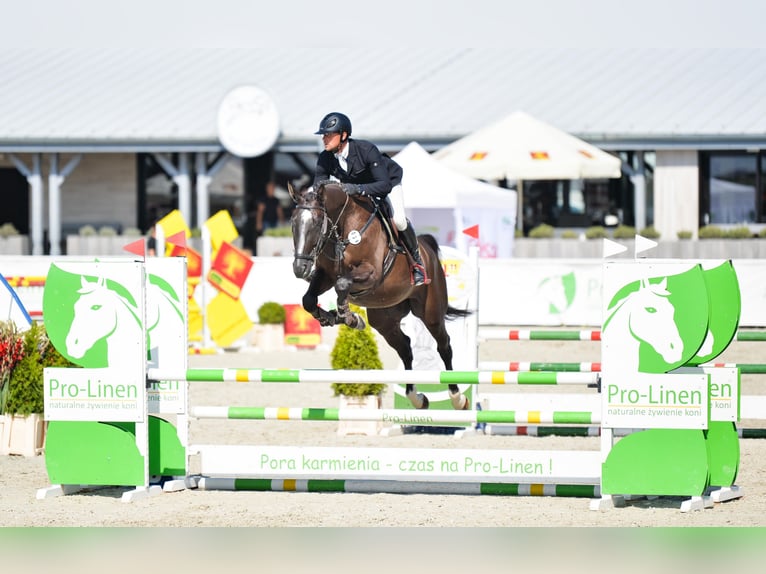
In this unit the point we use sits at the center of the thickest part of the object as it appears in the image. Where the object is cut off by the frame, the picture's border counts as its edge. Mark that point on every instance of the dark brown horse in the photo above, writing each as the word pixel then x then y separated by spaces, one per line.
pixel 340 243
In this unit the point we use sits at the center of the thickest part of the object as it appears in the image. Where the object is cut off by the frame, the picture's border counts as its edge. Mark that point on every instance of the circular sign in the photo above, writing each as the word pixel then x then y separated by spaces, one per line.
pixel 354 237
pixel 248 122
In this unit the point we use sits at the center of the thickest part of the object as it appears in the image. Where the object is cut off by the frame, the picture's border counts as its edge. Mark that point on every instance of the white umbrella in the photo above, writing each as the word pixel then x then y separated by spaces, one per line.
pixel 522 147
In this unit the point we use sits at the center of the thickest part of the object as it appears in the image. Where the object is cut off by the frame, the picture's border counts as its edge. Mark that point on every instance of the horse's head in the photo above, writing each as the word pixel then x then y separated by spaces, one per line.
pixel 309 224
pixel 94 317
pixel 652 320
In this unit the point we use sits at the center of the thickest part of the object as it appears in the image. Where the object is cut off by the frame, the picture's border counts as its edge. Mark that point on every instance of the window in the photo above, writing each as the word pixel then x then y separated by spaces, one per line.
pixel 732 191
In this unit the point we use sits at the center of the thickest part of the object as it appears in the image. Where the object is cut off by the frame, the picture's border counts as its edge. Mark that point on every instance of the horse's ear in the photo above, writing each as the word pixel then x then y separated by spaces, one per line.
pixel 293 193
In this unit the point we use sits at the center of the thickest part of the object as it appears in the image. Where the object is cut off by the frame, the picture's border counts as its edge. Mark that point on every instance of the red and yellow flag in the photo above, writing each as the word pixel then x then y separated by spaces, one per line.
pixel 301 329
pixel 230 270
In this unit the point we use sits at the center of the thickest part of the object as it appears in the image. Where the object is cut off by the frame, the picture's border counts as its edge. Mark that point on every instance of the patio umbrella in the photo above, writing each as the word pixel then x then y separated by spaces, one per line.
pixel 522 147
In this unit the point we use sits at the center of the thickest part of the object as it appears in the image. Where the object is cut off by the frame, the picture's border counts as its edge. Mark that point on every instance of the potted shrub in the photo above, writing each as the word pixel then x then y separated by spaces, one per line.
pixel 23 400
pixel 12 242
pixel 357 350
pixel 275 242
pixel 269 332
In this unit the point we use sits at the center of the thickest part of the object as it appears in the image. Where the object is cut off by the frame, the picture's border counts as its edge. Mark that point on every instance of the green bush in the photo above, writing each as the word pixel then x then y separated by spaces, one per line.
pixel 8 230
pixel 25 387
pixel 710 232
pixel 739 232
pixel 107 231
pixel 650 232
pixel 283 231
pixel 569 234
pixel 518 233
pixel 595 232
pixel 132 232
pixel 684 234
pixel 624 232
pixel 87 231
pixel 271 313
pixel 762 233
pixel 542 231
pixel 357 350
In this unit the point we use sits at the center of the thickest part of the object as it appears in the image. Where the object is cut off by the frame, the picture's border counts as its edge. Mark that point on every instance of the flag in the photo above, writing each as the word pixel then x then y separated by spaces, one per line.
pixel 221 228
pixel 230 270
pixel 472 231
pixel 301 329
pixel 137 247
pixel 173 223
pixel 177 240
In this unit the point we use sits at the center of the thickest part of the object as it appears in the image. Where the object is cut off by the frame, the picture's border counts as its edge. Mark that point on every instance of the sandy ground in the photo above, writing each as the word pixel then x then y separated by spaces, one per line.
pixel 21 477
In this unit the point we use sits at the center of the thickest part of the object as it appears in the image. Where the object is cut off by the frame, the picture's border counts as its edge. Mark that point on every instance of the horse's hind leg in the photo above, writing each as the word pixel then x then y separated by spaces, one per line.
pixel 387 322
pixel 434 322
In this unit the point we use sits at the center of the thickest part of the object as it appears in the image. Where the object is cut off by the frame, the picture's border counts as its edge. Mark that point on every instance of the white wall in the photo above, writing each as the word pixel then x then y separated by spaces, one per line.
pixel 676 193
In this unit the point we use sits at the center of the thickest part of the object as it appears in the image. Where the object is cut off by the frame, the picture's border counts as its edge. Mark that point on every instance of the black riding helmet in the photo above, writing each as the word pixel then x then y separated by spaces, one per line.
pixel 334 122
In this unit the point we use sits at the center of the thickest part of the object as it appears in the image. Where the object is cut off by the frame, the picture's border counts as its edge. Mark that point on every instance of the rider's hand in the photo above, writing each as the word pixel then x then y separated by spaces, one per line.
pixel 350 188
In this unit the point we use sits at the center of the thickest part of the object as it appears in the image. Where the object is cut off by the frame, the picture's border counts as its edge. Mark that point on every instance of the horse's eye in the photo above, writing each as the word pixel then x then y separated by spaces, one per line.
pixel 95 307
pixel 650 309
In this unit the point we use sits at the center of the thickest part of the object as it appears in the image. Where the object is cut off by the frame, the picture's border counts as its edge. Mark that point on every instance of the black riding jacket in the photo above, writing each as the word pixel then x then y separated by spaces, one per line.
pixel 375 173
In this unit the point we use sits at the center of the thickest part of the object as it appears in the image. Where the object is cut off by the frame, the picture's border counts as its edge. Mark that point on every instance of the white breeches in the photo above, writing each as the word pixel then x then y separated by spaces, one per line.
pixel 396 197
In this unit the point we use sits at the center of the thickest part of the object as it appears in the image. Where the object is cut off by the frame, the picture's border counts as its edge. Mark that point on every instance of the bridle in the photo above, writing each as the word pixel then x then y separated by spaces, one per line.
pixel 330 232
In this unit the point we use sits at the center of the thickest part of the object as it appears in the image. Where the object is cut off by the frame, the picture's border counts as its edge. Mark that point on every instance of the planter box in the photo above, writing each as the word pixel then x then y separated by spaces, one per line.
pixel 367 428
pixel 268 337
pixel 14 245
pixel 274 246
pixel 23 435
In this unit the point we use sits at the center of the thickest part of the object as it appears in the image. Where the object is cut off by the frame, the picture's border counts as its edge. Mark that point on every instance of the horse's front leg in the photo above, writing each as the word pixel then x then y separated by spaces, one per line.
pixel 345 315
pixel 318 284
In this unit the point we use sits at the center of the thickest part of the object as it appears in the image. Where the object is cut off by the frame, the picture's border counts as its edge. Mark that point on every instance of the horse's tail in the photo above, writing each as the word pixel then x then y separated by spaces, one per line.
pixel 452 312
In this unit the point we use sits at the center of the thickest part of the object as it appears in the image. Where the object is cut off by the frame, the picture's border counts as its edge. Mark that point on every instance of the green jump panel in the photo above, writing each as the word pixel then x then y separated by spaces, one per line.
pixel 663 462
pixel 105 453
pixel 723 450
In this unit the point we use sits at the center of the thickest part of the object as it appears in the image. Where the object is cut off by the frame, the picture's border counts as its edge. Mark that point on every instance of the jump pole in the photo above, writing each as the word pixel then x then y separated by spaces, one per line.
pixel 397 416
pixel 499 334
pixel 399 487
pixel 225 375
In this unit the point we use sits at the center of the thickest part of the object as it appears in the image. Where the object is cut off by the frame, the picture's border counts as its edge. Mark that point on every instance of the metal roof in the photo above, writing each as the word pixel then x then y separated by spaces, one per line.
pixel 148 99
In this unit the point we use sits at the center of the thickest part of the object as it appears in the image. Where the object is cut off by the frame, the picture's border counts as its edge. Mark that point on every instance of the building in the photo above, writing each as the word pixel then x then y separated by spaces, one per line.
pixel 120 137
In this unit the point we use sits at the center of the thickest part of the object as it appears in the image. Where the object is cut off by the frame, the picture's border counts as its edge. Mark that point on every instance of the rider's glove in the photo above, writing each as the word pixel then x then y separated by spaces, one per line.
pixel 351 188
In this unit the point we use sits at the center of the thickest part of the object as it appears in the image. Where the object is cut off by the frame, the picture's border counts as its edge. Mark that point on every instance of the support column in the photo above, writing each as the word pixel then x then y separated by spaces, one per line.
pixel 638 178
pixel 182 179
pixel 34 177
pixel 205 175
pixel 55 179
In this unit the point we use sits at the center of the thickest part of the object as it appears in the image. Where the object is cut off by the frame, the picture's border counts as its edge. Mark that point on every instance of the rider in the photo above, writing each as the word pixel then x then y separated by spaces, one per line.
pixel 362 170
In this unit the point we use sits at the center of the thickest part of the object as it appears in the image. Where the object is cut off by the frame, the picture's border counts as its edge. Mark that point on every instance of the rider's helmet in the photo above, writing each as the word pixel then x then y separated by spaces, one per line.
pixel 334 122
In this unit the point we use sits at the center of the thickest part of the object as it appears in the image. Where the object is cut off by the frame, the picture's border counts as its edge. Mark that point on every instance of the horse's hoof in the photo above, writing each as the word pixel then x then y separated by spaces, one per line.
pixel 460 402
pixel 360 324
pixel 418 400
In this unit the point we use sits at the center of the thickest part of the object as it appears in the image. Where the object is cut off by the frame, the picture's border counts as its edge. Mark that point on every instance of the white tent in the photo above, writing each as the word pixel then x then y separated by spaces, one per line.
pixel 444 203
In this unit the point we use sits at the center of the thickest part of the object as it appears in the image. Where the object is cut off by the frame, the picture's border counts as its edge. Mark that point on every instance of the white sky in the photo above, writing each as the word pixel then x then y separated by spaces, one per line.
pixel 280 24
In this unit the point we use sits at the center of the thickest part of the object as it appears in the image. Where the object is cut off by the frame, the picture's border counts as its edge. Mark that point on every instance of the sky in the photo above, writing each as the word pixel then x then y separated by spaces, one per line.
pixel 280 24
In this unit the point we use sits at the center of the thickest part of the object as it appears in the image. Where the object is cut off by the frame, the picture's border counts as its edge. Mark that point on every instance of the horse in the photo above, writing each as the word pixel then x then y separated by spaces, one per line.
pixel 340 242
pixel 648 316
pixel 101 313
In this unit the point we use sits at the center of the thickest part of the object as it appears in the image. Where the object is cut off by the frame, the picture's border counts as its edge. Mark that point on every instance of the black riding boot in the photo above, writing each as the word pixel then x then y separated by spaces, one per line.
pixel 411 243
